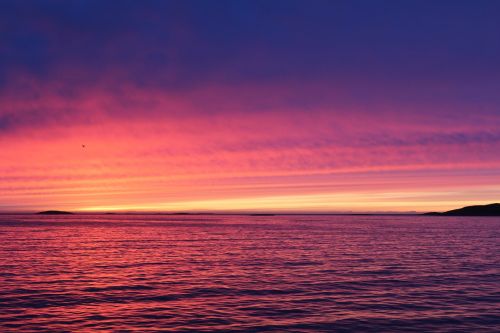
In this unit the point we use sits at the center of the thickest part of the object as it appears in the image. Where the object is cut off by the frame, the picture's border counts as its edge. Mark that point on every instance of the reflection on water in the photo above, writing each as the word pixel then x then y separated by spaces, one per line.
pixel 248 273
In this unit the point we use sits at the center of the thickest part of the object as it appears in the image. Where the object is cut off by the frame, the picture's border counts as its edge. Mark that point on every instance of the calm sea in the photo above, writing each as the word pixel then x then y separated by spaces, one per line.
pixel 140 273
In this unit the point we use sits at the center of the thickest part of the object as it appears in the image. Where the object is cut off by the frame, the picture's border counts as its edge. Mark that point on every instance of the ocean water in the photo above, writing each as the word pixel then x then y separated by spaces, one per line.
pixel 153 273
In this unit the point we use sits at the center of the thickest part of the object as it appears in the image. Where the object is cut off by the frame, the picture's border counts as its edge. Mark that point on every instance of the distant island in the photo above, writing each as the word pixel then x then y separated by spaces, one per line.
pixel 262 214
pixel 54 212
pixel 479 210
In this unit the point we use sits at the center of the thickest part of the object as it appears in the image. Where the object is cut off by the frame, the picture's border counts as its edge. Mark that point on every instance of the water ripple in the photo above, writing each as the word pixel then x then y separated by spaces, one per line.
pixel 141 273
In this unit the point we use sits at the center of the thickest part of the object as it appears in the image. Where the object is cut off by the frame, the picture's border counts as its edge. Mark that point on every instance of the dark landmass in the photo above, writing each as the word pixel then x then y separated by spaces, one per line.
pixel 58 212
pixel 54 212
pixel 261 214
pixel 479 210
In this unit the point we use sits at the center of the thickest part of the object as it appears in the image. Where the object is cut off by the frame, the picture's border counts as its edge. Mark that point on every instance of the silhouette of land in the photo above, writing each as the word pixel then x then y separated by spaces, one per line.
pixel 54 212
pixel 479 210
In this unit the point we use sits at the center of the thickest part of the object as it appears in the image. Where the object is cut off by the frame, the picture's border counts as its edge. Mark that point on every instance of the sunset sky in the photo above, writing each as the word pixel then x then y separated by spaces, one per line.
pixel 290 106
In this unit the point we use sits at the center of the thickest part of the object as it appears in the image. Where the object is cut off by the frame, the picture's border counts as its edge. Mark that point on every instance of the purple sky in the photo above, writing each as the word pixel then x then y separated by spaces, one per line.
pixel 248 105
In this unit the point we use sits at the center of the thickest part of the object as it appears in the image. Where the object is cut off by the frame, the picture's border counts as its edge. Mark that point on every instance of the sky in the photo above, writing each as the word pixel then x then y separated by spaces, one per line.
pixel 286 106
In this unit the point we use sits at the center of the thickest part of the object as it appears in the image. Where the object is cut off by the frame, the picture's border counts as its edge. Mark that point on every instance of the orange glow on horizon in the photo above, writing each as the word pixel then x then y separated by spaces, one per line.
pixel 272 161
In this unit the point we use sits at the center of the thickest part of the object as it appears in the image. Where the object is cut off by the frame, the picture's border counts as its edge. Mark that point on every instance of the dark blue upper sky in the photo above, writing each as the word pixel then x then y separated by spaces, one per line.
pixel 184 43
pixel 373 54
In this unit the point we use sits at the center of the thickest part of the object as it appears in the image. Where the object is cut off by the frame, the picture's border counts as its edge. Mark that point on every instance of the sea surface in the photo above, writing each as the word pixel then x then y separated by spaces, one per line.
pixel 195 273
